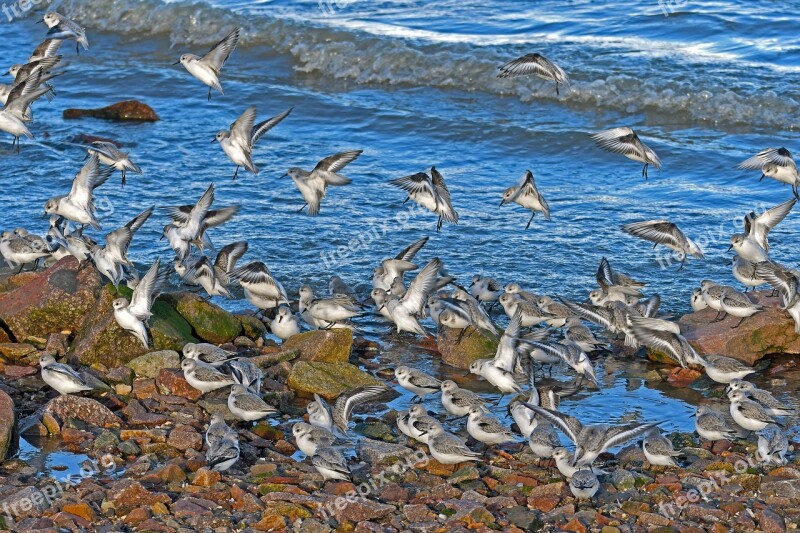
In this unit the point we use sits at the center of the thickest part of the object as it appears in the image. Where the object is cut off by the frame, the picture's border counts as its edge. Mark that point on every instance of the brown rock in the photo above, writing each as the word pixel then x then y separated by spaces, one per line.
pixel 171 381
pixel 8 427
pixel 683 377
pixel 57 344
pixel 50 301
pixel 24 503
pixel 127 495
pixel 575 525
pixel 205 477
pixel 770 522
pixel 169 473
pixel 184 438
pixel 82 509
pixel 768 332
pixel 84 409
pixel 474 344
pixel 16 351
pixel 137 516
pixel 17 372
pixel 128 110
pixel 327 346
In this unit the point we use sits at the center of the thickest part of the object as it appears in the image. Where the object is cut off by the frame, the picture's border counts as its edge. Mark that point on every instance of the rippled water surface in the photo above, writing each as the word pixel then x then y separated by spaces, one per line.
pixel 413 84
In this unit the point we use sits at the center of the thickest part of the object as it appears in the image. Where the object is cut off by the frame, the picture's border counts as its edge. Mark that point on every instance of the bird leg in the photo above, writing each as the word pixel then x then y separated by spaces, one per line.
pixel 209 94
pixel 739 324
pixel 301 209
pixel 499 399
pixel 644 171
pixel 236 174
pixel 531 220
pixel 123 177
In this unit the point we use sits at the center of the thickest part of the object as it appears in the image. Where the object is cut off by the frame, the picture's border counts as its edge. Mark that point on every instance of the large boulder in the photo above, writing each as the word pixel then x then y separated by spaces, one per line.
pixel 102 341
pixel 329 380
pixel 8 427
pixel 327 346
pixel 209 322
pixel 61 408
pixel 149 365
pixel 35 304
pixel 474 344
pixel 772 331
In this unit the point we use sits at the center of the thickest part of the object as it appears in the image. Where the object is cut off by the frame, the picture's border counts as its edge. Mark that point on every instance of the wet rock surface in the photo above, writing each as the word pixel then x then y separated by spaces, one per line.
pixel 127 111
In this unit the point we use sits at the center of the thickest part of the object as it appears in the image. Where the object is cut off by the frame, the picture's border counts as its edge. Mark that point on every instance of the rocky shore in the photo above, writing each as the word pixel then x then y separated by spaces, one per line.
pixel 142 435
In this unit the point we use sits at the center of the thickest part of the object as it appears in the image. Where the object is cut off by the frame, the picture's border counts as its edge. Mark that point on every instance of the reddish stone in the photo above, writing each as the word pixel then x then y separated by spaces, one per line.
pixel 205 477
pixel 137 516
pixel 575 525
pixel 81 509
pixel 184 438
pixel 16 372
pixel 683 377
pixel 172 381
pixel 126 111
pixel 127 495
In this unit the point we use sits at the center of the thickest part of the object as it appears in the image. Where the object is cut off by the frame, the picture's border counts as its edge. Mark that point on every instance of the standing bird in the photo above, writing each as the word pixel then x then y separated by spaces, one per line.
pixel 112 156
pixel 658 449
pixel 248 406
pixel 314 185
pixel 666 233
pixel 487 429
pixel 223 444
pixel 285 324
pixel 775 163
pixel 528 196
pixel 772 445
pixel 63 28
pixel 331 463
pixel 535 64
pixel 61 377
pixel 711 425
pixel 133 316
pixel 203 377
pixel 430 193
pixel 238 142
pixel 207 68
pixel 747 413
pixel 417 381
pixel 448 449
pixel 625 141
pixel 770 403
pixel 584 484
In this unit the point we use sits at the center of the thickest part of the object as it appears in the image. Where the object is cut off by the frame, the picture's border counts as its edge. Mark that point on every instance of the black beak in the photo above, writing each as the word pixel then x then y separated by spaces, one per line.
pixel 178 62
pixel 502 202
pixel 729 247
pixel 40 21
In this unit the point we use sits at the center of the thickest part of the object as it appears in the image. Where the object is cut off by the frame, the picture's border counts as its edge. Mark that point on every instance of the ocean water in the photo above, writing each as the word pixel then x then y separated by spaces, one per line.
pixel 413 83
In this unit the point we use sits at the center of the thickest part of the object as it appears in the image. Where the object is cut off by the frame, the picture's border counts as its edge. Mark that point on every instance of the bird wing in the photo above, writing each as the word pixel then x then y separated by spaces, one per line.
pixel 263 127
pixel 47 48
pixel 621 434
pixel 230 254
pixel 535 64
pixel 90 176
pixel 408 253
pixel 147 290
pixel 328 168
pixel 422 286
pixel 779 156
pixel 570 425
pixel 220 52
pixel 349 400
pixel 657 231
pixel 444 203
pixel 242 128
pixel 619 141
pixel 418 183
pixel 763 223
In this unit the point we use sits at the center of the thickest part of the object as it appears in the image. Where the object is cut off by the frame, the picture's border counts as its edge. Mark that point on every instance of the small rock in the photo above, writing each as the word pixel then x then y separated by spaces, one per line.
pixel 184 438
pixel 171 381
pixel 623 479
pixel 67 406
pixel 474 344
pixel 205 477
pixel 149 365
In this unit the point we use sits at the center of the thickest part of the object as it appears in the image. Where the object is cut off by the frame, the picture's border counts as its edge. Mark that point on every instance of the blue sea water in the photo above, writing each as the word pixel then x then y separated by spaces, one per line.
pixel 413 83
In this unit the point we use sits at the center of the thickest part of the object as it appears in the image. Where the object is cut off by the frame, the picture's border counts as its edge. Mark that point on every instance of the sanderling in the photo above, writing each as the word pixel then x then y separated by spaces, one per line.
pixel 665 337
pixel 78 205
pixel 384 275
pixel 530 314
pixel 564 462
pixel 616 284
pixel 528 196
pixel 203 273
pixel 207 68
pixel 314 185
pixel 63 28
pixel 556 313
pixel 238 142
pixel 506 356
pixel 772 446
pixel 325 312
pixel 697 301
pixel 204 378
pixel 785 281
pixel 747 413
pixel 658 449
pixel 310 438
pixel 319 413
pixel 112 156
pixel 543 440
pixel 15 112
pixel 285 324
pixel 19 252
pixel 712 295
pixel 503 380
pixel 737 304
pixel 402 419
pixel 753 244
pixel 338 286
pixel 331 463
pixel 248 406
pixel 398 288
pixel 431 193
pixel 61 377
pixel 381 298
pixel 260 287
pixel 458 401
pixel 112 260
pixel 723 369
pixel 132 316
pixel 584 484
pixel 775 163
pixel 478 314
pixel 537 65
pixel 575 331
pixel 349 400
pixel 448 449
pixel 613 318
pixel 207 353
pixel 47 48
pixel 745 272
pixel 526 419
pixel 711 425
pixel 516 290
pixel 404 311
pixel 625 141
pixel 188 224
pixel 594 439
pixel 246 373
pixel 486 428
pixel 420 424
pixel 570 353
pixel 770 403
pixel 666 233
pixel 485 289
pixel 223 444
pixel 417 381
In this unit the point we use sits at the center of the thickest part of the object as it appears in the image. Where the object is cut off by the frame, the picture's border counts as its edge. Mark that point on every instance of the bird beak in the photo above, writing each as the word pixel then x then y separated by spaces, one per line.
pixel 729 248
pixel 285 175
pixel 503 201
pixel 178 62
pixel 44 215
pixel 40 21
pixel 693 414
pixel 214 140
